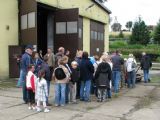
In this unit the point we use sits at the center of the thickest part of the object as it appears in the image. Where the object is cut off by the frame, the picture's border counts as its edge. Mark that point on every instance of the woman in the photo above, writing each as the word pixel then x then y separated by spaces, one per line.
pixel 61 76
pixel 102 78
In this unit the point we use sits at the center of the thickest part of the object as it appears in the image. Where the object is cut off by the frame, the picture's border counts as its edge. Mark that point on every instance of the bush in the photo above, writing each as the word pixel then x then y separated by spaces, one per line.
pixel 118 44
pixel 154 54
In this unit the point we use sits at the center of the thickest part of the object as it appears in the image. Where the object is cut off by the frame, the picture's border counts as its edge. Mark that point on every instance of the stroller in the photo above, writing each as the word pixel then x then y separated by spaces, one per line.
pixel 138 75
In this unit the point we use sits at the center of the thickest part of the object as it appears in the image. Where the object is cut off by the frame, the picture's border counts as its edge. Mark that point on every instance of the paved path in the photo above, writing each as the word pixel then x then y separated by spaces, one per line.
pixel 141 103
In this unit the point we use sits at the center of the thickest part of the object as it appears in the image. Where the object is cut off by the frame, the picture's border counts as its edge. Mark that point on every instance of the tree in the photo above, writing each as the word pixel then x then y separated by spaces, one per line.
pixel 116 27
pixel 129 25
pixel 156 34
pixel 140 33
pixel 121 34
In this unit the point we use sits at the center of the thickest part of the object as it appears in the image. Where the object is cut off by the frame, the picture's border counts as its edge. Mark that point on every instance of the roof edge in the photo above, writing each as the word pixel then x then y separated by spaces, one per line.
pixel 102 6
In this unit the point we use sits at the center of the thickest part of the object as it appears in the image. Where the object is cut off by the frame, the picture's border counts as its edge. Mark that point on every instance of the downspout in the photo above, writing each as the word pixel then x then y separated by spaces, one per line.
pixel 19 22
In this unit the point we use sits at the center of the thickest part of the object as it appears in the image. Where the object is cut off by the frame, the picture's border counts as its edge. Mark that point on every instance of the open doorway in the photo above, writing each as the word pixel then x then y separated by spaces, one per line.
pixel 45 27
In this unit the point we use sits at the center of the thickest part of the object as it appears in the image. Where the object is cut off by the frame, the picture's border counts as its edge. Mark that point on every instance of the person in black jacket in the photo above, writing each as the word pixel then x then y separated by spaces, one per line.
pixel 73 82
pixel 146 64
pixel 102 79
pixel 86 75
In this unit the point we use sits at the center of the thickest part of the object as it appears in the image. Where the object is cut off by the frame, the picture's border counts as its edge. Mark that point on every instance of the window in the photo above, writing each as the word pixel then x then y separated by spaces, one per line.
pixel 95 35
pixel 102 36
pixel 31 20
pixel 24 22
pixel 80 33
pixel 99 36
pixel 61 28
pixel 92 35
pixel 72 27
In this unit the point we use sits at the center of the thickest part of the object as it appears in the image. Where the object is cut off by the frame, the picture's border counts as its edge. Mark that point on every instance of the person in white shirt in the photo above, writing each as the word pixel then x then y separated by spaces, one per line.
pixel 131 68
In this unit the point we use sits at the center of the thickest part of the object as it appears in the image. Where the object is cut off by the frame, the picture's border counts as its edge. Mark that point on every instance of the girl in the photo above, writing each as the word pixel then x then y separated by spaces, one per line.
pixel 30 85
pixel 41 91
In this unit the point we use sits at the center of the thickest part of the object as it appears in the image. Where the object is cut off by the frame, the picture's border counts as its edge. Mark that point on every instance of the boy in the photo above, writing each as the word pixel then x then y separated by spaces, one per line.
pixel 73 82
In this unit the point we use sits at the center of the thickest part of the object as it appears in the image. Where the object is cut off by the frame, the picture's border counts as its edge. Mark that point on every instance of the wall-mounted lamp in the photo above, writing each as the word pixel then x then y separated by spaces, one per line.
pixel 89 7
pixel 7 27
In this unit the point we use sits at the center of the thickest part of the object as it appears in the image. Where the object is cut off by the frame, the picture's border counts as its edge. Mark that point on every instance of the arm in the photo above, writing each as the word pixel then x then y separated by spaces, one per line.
pixel 45 88
pixel 33 83
pixel 91 67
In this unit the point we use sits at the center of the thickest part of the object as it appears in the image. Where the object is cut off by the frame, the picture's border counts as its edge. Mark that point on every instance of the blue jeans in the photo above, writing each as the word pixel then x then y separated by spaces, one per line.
pixel 60 89
pixel 24 89
pixel 67 92
pixel 48 87
pixel 109 93
pixel 116 78
pixel 131 79
pixel 85 90
pixel 146 75
pixel 20 80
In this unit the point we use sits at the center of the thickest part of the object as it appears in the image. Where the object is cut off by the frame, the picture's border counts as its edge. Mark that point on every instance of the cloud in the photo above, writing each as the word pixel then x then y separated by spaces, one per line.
pixel 126 10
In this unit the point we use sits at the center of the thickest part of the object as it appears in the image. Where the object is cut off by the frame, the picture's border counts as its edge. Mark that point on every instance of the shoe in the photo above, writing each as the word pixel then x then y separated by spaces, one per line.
pixel 46 110
pixel 62 105
pixel 75 102
pixel 29 108
pixel 56 105
pixel 49 104
pixel 39 109
pixel 33 107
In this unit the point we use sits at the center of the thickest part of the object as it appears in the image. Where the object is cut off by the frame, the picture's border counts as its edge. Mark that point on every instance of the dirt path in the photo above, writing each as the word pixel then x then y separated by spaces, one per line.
pixel 141 103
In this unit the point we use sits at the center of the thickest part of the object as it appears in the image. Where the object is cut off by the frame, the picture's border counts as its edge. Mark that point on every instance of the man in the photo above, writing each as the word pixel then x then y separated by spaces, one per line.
pixel 146 64
pixel 25 62
pixel 51 59
pixel 116 71
pixel 60 54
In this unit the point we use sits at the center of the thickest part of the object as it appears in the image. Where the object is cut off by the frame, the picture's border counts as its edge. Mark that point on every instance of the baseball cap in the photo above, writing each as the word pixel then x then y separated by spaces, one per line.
pixel 29 47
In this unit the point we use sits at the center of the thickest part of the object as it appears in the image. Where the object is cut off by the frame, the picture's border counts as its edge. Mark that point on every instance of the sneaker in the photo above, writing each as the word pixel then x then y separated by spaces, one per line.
pixel 62 105
pixel 39 109
pixel 56 105
pixel 29 108
pixel 33 107
pixel 46 110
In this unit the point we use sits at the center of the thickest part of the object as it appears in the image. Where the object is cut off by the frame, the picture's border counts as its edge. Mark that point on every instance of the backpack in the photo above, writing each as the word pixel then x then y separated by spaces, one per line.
pixel 59 73
pixel 131 66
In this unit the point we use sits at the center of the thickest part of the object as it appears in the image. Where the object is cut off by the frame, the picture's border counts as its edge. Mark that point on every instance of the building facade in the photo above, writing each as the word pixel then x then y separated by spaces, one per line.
pixel 73 24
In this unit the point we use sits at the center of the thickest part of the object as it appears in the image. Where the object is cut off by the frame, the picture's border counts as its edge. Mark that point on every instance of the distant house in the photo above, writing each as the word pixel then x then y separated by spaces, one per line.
pixel 73 24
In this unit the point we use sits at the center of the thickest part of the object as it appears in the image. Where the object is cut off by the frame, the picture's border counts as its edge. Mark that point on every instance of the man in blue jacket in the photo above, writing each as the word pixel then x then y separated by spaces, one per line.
pixel 25 62
pixel 116 70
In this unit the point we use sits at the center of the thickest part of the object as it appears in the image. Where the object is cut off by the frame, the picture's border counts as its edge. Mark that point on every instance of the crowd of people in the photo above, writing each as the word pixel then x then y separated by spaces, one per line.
pixel 75 78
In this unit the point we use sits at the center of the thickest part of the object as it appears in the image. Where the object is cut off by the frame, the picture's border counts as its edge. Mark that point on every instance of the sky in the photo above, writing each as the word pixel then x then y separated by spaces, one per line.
pixel 129 10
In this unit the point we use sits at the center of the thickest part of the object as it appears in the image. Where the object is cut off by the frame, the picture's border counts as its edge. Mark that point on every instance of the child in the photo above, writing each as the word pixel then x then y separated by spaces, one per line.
pixel 73 82
pixel 37 62
pixel 30 85
pixel 47 76
pixel 61 76
pixel 41 91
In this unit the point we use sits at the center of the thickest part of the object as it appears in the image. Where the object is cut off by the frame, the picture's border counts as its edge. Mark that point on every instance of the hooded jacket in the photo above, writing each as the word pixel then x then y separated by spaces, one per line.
pixel 103 75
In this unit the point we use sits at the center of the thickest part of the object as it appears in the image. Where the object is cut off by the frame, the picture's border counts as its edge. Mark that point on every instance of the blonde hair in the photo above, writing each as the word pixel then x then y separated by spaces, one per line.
pixel 130 56
pixel 74 63
pixel 62 60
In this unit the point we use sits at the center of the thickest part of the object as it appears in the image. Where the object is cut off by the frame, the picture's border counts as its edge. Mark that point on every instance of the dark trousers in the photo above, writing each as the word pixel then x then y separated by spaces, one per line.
pixel 31 96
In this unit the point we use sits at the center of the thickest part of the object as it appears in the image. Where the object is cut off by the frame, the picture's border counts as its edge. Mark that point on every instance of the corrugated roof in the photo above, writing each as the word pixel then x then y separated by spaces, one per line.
pixel 102 6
